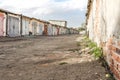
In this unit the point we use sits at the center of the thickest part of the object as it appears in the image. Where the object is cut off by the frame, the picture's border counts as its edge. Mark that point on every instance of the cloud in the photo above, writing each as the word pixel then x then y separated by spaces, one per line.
pixel 75 4
pixel 46 9
pixel 20 5
pixel 24 3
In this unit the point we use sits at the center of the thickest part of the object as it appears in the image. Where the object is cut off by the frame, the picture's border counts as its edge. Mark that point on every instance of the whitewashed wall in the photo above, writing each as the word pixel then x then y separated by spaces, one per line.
pixel 103 26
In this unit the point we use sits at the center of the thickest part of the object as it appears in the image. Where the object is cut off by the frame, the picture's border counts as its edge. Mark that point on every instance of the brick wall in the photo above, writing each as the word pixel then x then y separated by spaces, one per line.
pixel 113 56
pixel 103 26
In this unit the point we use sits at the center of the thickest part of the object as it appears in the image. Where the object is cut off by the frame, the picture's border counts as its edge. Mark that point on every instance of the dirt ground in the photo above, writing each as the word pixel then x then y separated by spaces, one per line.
pixel 47 58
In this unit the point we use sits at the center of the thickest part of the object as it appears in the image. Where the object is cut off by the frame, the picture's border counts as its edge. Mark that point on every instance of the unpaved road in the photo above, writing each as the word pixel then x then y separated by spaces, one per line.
pixel 47 58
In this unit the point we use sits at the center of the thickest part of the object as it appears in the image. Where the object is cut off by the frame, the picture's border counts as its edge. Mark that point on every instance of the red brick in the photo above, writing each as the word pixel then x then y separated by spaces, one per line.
pixel 113 48
pixel 110 53
pixel 110 41
pixel 115 63
pixel 115 56
pixel 112 62
pixel 118 67
pixel 118 59
pixel 118 50
pixel 109 46
pixel 115 72
pixel 118 43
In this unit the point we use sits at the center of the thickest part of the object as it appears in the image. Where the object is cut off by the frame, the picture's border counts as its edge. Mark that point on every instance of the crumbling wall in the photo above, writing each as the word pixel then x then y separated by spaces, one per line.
pixel 103 25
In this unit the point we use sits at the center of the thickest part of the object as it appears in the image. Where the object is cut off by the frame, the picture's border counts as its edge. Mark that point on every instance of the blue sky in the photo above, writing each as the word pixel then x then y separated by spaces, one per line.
pixel 72 11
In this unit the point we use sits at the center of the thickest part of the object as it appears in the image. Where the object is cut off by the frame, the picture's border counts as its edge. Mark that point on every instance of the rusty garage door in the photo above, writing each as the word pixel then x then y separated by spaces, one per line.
pixel 13 26
pixel 45 30
pixel 57 31
pixel 1 24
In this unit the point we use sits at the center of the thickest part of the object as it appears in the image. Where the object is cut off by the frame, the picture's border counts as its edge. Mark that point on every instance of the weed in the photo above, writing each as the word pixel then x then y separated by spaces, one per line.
pixel 96 51
pixel 78 43
pixel 62 63
pixel 92 44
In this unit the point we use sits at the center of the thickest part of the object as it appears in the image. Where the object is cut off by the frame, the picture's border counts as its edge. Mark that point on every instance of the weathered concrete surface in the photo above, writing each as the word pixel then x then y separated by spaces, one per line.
pixel 103 25
pixel 47 58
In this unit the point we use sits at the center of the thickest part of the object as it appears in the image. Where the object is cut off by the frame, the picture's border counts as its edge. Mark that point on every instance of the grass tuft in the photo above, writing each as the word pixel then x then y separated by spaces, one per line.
pixel 62 63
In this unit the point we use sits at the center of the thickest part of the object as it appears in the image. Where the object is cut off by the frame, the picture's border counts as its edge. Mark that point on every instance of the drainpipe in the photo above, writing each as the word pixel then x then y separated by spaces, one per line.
pixel 21 24
pixel 7 24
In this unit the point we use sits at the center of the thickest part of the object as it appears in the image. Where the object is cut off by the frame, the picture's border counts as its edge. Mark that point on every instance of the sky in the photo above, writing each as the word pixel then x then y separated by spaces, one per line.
pixel 72 11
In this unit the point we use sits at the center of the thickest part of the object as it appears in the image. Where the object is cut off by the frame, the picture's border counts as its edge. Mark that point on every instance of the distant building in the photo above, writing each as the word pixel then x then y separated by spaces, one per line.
pixel 59 22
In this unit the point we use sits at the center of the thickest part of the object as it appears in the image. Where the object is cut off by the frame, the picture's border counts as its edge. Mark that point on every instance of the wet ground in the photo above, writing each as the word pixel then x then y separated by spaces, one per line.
pixel 47 58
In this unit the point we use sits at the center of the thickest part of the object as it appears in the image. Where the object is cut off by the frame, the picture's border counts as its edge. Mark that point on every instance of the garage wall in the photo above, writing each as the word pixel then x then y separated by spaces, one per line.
pixel 103 25
pixel 2 24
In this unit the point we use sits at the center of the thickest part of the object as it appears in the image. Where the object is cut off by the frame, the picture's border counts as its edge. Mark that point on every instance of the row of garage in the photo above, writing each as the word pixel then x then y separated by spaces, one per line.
pixel 14 25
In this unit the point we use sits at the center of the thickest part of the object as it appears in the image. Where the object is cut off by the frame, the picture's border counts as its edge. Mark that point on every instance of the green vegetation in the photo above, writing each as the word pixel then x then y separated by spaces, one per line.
pixel 78 43
pixel 81 29
pixel 98 54
pixel 95 50
pixel 62 63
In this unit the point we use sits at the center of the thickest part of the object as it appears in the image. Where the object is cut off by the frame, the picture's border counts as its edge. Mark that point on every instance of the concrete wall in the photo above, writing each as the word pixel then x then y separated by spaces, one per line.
pixel 58 22
pixel 103 25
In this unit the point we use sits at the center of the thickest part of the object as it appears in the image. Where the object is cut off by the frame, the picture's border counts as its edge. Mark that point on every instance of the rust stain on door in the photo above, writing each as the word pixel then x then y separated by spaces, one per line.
pixel 1 24
pixel 57 31
pixel 45 30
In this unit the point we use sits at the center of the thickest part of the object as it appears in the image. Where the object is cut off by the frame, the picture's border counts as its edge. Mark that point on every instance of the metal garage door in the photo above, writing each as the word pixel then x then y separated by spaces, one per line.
pixel 25 27
pixel 13 27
